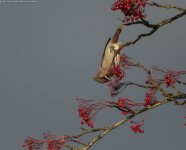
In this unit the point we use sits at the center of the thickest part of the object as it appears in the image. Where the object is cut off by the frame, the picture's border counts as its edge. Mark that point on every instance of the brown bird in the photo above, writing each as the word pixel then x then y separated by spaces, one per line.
pixel 110 57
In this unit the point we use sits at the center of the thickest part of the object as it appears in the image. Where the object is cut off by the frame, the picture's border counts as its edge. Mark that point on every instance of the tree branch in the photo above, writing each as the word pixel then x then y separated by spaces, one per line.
pixel 161 102
pixel 166 6
pixel 154 27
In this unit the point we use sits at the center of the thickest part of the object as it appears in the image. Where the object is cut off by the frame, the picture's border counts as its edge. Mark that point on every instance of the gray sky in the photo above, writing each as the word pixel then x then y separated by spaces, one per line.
pixel 49 52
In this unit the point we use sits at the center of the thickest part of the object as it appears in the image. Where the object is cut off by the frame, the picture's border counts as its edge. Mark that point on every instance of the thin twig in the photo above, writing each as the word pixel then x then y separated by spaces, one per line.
pixel 166 6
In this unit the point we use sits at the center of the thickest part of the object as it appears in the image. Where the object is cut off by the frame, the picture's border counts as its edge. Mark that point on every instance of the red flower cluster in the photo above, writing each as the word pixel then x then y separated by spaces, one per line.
pixel 150 97
pixel 169 79
pixel 147 101
pixel 85 115
pixel 132 9
pixel 121 102
pixel 88 109
pixel 117 73
pixel 137 128
pixel 50 141
pixel 170 76
pixel 126 105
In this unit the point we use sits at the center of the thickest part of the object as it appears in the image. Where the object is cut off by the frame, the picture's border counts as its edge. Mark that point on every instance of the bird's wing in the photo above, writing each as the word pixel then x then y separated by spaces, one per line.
pixel 104 51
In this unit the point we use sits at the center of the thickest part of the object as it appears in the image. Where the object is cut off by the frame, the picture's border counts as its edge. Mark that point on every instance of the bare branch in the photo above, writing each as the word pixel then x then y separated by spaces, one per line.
pixel 166 6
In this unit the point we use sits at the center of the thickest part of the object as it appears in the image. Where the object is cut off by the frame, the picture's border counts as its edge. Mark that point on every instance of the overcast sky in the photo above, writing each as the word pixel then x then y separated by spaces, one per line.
pixel 49 52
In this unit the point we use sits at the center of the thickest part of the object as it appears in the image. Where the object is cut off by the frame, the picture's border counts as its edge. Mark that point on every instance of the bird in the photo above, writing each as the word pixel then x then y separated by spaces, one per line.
pixel 110 57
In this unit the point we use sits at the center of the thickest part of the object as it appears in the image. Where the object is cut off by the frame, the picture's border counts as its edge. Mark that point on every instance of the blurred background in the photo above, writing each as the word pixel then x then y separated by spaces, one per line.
pixel 49 52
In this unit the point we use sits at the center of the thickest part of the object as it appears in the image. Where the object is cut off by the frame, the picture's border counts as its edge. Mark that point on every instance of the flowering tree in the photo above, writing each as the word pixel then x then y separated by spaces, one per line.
pixel 161 85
